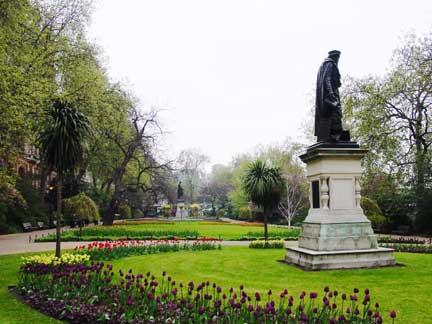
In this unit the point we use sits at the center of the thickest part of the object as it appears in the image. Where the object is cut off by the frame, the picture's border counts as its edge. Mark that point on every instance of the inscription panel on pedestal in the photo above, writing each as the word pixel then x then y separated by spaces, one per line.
pixel 342 193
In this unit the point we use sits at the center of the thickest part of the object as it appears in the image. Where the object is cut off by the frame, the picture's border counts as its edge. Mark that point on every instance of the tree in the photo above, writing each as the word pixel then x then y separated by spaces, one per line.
pixel 191 164
pixel 263 184
pixel 63 145
pixel 391 116
pixel 218 185
pixel 295 195
pixel 134 145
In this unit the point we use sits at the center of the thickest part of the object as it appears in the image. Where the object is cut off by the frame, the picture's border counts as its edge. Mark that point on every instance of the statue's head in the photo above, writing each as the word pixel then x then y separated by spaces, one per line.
pixel 334 55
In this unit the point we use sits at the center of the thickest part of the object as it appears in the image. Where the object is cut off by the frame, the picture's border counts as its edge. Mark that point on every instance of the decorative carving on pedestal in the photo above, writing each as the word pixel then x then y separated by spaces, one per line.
pixel 324 192
pixel 357 192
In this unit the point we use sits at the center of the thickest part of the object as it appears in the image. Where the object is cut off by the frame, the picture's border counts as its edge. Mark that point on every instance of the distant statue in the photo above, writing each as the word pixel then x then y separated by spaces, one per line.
pixel 180 191
pixel 328 110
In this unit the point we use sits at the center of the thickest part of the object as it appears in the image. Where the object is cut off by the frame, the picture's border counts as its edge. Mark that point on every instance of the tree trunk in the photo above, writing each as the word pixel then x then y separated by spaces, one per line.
pixel 108 220
pixel 420 188
pixel 58 215
pixel 265 225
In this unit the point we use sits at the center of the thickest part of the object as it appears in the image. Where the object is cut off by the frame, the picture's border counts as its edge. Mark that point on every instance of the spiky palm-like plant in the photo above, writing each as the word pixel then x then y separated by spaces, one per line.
pixel 263 184
pixel 63 144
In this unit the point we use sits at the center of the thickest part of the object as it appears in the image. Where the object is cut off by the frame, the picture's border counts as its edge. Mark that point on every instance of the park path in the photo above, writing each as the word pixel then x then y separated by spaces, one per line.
pixel 24 242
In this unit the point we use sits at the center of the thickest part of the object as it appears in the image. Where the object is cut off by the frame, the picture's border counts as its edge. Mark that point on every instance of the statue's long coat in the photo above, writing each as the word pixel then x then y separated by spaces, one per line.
pixel 328 82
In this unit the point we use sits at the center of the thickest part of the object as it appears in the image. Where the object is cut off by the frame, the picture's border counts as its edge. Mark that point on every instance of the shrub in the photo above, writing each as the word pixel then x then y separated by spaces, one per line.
pixel 410 248
pixel 195 210
pixel 124 211
pixel 87 294
pixel 245 213
pixel 291 233
pixel 166 210
pixel 372 212
pixel 13 208
pixel 272 244
pixel 36 210
pixel 220 213
pixel 403 240
pixel 82 208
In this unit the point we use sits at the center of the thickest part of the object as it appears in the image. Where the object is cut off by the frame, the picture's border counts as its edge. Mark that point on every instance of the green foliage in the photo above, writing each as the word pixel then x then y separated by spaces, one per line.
pixel 13 207
pixel 100 197
pixel 36 210
pixel 245 213
pixel 166 210
pixel 124 210
pixel 195 210
pixel 63 140
pixel 271 244
pixel 81 207
pixel 220 213
pixel 390 115
pixel 263 184
pixel 121 249
pixel 372 211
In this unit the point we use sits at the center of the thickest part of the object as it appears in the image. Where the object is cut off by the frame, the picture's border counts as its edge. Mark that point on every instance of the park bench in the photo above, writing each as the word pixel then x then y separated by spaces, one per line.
pixel 41 225
pixel 27 227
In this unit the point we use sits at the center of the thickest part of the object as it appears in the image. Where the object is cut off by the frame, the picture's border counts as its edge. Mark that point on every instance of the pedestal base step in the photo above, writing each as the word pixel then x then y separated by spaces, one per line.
pixel 345 259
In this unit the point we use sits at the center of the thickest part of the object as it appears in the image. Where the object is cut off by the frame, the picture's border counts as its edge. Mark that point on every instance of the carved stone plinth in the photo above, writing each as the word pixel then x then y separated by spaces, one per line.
pixel 336 233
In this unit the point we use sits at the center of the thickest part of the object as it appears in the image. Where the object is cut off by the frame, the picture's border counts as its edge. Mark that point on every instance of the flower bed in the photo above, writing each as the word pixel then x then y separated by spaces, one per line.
pixel 120 249
pixel 120 232
pixel 272 244
pixel 277 234
pixel 51 259
pixel 410 248
pixel 402 240
pixel 83 293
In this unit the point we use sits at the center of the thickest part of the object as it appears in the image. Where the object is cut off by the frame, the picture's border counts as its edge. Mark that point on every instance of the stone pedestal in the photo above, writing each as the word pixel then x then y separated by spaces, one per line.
pixel 181 212
pixel 336 233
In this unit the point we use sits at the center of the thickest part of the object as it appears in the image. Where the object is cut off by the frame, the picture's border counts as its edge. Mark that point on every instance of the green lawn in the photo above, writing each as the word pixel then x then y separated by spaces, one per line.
pixel 406 289
pixel 223 230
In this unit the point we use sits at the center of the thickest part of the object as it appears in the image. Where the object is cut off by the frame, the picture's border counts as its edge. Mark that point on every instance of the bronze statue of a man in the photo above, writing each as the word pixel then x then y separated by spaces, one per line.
pixel 180 191
pixel 328 111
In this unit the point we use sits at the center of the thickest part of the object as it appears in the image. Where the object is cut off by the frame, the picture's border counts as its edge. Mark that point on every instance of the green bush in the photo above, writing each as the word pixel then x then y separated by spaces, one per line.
pixel 261 244
pixel 194 210
pixel 220 213
pixel 81 207
pixel 124 211
pixel 245 213
pixel 36 210
pixel 372 212
pixel 101 198
pixel 166 210
pixel 13 208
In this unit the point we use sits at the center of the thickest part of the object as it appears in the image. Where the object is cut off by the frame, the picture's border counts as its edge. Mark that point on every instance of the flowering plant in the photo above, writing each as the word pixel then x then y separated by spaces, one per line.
pixel 87 294
pixel 51 259
pixel 119 249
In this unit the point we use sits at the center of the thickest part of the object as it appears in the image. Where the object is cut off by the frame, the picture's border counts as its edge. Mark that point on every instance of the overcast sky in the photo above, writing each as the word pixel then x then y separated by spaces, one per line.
pixel 236 73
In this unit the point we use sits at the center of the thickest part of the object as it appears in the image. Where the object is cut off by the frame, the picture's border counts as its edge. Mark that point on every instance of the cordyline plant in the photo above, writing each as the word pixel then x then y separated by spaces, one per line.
pixel 63 145
pixel 120 249
pixel 88 294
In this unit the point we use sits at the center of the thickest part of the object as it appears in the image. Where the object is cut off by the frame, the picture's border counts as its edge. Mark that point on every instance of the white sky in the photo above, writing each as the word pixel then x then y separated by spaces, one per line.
pixel 237 73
